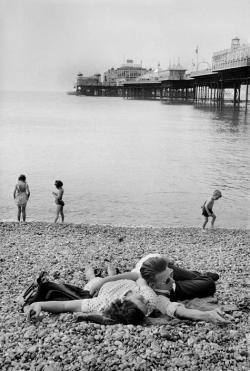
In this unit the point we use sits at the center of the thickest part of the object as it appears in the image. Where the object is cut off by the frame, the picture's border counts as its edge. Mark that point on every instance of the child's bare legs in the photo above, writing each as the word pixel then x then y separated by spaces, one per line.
pixel 205 223
pixel 23 208
pixel 213 220
pixel 19 210
pixel 59 211
pixel 62 214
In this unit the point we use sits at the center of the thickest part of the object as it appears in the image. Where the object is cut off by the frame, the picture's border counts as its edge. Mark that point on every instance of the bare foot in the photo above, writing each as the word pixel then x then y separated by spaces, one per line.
pixel 111 270
pixel 89 272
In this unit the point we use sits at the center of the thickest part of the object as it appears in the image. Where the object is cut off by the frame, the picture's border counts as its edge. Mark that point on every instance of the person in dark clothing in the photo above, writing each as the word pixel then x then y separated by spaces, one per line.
pixel 168 279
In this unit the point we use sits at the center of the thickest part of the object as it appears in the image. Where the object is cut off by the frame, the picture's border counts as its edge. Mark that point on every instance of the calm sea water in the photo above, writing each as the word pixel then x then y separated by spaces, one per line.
pixel 124 162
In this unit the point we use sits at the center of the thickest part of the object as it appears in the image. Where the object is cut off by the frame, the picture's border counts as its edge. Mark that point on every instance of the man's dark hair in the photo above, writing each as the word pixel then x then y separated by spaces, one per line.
pixel 125 312
pixel 153 266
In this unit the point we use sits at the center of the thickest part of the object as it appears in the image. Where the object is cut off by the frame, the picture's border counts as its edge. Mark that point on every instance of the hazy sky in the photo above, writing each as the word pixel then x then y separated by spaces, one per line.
pixel 45 43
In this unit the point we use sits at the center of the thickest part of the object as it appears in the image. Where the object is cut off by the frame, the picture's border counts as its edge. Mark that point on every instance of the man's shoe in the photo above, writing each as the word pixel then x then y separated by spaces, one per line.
pixel 214 276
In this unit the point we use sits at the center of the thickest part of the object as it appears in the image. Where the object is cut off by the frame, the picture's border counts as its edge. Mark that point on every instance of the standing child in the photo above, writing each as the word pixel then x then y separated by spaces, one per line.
pixel 58 200
pixel 207 208
pixel 21 195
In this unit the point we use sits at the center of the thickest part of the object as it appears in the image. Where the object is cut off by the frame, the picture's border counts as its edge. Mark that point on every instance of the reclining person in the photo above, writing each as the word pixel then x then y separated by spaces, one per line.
pixel 124 301
pixel 168 279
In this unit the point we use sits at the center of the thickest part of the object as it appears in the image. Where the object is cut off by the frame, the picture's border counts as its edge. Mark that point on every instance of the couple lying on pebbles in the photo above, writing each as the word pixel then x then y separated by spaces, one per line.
pixel 155 286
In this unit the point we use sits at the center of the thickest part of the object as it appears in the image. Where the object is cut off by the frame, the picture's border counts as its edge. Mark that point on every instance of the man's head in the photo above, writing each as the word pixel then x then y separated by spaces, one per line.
pixel 130 310
pixel 156 271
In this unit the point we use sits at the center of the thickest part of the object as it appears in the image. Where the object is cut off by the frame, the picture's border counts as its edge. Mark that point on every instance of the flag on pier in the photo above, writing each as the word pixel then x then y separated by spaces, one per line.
pixel 196 50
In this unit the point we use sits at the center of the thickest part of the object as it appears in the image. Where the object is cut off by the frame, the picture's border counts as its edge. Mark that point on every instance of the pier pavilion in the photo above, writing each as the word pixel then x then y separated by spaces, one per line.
pixel 230 70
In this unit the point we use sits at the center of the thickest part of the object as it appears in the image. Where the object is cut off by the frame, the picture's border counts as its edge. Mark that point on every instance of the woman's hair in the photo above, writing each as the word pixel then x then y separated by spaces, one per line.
pixel 58 183
pixel 153 266
pixel 22 178
pixel 125 312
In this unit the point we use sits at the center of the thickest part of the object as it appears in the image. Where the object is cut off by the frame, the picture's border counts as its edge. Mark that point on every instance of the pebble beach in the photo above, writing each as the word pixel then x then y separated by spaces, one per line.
pixel 59 342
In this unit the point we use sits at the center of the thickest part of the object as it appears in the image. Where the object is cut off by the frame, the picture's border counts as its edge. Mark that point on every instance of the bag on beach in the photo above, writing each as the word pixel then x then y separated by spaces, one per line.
pixel 44 290
pixel 29 295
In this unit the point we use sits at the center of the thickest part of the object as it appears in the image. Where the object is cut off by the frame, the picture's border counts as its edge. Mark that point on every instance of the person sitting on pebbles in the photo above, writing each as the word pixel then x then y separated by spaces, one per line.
pixel 126 301
pixel 167 279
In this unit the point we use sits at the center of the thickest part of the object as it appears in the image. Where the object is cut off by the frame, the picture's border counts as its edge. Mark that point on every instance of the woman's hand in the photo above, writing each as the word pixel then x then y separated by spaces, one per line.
pixel 141 282
pixel 34 311
pixel 95 287
pixel 215 316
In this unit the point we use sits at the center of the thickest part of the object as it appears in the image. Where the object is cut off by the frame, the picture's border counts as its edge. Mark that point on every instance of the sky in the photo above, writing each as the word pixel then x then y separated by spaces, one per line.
pixel 45 43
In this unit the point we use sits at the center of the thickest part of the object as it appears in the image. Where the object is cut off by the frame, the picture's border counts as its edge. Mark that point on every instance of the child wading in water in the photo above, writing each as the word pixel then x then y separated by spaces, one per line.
pixel 21 195
pixel 207 208
pixel 58 200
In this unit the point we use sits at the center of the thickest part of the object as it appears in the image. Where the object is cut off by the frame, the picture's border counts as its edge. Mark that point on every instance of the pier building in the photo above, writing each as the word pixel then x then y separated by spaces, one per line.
pixel 127 71
pixel 168 84
pixel 86 81
pixel 230 70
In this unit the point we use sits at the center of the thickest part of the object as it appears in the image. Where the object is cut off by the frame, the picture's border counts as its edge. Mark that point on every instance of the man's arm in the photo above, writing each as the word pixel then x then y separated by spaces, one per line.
pixel 123 276
pixel 53 307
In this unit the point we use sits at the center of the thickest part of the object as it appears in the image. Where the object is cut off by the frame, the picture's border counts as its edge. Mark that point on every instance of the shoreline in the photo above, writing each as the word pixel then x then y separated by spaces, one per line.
pixel 65 224
pixel 58 341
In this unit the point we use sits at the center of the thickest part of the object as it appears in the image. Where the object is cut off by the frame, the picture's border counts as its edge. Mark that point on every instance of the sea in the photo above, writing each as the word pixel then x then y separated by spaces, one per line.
pixel 124 162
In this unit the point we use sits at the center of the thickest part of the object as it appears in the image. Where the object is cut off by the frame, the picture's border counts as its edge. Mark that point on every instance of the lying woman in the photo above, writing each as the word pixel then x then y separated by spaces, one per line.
pixel 168 279
pixel 126 301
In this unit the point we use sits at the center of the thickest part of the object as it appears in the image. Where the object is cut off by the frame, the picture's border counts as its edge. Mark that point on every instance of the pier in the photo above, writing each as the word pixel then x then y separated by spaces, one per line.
pixel 230 70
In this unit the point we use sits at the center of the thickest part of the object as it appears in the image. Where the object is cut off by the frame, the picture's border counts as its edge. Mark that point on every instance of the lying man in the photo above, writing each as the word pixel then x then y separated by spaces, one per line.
pixel 126 301
pixel 168 279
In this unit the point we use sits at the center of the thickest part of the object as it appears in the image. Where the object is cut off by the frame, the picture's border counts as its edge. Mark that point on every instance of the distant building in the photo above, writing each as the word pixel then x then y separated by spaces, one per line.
pixel 175 72
pixel 89 80
pixel 128 71
pixel 237 56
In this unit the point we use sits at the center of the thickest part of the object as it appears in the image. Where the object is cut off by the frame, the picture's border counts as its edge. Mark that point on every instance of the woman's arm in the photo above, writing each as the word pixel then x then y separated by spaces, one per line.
pixel 123 276
pixel 53 307
pixel 214 316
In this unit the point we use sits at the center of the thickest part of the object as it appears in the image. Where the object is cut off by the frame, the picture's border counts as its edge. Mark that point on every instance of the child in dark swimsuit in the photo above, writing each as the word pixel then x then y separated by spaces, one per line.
pixel 58 200
pixel 207 209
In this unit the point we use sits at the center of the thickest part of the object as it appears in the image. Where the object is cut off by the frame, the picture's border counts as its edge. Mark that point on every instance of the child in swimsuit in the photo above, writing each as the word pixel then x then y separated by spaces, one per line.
pixel 58 200
pixel 21 195
pixel 207 208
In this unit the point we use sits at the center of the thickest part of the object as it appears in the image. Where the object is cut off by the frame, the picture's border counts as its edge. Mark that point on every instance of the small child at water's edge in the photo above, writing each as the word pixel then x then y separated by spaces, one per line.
pixel 207 208
pixel 58 200
pixel 21 196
